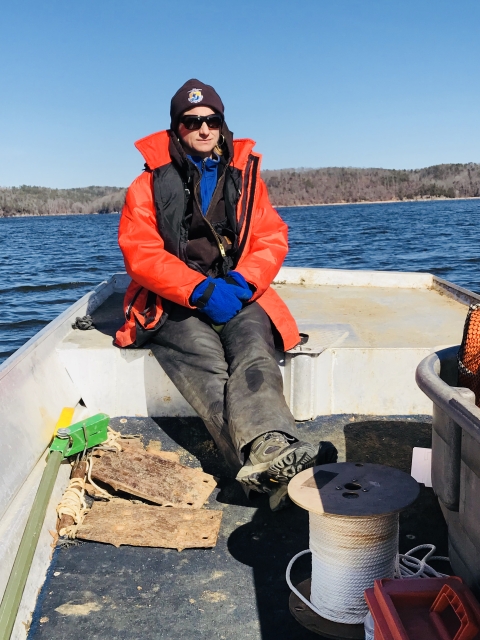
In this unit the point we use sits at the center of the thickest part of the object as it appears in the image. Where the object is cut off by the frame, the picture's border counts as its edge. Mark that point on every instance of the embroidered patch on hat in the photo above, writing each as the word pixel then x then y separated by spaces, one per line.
pixel 195 96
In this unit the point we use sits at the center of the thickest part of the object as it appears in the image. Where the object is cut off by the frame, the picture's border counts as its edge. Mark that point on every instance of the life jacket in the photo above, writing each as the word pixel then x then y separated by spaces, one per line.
pixel 206 243
pixel 153 238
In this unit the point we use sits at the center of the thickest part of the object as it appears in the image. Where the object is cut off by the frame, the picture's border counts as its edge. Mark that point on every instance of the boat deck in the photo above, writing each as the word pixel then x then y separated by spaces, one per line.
pixel 346 316
pixel 236 590
pixel 375 317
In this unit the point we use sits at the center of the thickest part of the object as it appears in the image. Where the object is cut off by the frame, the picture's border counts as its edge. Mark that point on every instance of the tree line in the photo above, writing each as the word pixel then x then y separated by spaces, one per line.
pixel 40 201
pixel 287 187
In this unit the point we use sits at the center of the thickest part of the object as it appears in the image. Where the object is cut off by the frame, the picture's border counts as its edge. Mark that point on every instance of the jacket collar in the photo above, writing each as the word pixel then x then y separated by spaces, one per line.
pixel 155 150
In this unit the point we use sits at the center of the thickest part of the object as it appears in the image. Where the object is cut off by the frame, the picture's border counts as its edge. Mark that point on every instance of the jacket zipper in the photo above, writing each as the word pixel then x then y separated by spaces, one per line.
pixel 249 208
pixel 221 248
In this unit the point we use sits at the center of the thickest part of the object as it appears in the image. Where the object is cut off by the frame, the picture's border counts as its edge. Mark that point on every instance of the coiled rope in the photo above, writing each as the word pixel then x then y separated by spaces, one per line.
pixel 111 444
pixel 348 555
pixel 85 323
pixel 423 570
pixel 73 500
pixel 73 504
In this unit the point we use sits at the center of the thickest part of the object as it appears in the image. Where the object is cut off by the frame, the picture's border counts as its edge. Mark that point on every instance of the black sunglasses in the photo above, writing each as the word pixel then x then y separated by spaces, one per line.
pixel 193 123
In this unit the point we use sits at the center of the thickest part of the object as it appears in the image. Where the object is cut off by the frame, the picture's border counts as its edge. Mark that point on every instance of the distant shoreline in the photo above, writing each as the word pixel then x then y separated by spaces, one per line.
pixel 287 187
pixel 339 204
pixel 55 215
pixel 275 206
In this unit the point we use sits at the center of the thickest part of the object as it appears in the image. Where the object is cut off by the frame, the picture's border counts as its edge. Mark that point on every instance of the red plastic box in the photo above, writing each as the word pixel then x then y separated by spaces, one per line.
pixel 424 609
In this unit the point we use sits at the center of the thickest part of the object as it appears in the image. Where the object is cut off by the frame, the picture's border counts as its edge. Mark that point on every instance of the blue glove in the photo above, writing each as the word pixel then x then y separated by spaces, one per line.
pixel 216 299
pixel 241 287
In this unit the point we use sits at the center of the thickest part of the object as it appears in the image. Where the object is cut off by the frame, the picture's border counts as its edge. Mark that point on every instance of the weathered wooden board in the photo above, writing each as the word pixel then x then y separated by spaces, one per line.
pixel 122 522
pixel 154 478
pixel 166 455
pixel 155 447
pixel 131 443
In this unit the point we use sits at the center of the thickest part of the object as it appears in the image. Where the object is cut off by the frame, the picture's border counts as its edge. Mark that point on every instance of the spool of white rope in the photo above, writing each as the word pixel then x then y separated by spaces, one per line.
pixel 348 554
pixel 406 566
pixel 354 515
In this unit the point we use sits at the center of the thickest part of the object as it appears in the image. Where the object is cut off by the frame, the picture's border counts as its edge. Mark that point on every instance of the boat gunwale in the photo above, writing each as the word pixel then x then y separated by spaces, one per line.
pixel 300 276
pixel 91 301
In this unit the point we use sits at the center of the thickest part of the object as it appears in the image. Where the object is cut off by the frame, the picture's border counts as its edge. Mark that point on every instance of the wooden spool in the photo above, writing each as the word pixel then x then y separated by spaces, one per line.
pixel 353 490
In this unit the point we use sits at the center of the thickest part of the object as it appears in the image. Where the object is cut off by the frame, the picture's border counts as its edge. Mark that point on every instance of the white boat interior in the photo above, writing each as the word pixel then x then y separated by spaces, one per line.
pixel 371 327
pixel 368 331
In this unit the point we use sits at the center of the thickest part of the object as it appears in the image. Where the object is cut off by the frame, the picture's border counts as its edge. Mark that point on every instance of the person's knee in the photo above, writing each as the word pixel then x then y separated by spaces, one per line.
pixel 248 345
pixel 254 378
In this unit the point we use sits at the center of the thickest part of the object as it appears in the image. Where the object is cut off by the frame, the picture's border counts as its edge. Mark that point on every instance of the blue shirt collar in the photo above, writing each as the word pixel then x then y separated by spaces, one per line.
pixel 208 163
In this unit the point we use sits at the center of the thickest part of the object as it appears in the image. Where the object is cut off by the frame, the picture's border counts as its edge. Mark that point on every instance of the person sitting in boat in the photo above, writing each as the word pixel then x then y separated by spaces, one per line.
pixel 202 244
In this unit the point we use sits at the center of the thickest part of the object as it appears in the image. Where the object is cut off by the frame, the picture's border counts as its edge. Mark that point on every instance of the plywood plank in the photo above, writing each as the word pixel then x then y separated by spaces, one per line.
pixel 155 447
pixel 122 522
pixel 154 478
pixel 131 443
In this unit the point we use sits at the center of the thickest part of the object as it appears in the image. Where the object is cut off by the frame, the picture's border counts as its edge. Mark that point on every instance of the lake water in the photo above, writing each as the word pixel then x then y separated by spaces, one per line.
pixel 50 262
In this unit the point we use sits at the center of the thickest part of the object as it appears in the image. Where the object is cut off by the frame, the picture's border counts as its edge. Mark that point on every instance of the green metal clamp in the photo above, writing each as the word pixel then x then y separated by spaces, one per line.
pixel 81 436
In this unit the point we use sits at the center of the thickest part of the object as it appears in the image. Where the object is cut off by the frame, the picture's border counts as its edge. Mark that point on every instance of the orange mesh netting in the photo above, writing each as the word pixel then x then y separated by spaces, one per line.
pixel 469 353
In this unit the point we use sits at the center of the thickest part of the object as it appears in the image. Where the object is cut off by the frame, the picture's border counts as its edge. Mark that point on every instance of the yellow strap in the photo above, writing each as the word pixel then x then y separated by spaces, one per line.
pixel 65 419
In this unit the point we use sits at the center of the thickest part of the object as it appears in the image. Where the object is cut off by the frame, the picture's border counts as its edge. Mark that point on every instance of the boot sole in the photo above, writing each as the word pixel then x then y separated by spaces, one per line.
pixel 291 462
pixel 263 477
pixel 252 478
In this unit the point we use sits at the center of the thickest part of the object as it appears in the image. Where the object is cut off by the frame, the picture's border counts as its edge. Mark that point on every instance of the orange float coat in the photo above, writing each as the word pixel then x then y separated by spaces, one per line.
pixel 157 274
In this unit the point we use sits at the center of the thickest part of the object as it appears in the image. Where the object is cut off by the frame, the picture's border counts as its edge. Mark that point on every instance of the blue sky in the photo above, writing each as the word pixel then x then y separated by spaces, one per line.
pixel 315 82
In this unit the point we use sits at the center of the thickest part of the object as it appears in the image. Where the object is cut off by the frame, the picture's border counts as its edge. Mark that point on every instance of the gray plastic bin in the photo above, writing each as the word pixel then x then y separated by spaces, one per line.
pixel 455 459
pixel 446 454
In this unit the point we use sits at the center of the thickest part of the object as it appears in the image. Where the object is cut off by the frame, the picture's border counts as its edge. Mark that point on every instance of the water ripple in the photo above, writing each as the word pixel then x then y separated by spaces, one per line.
pixel 438 237
pixel 48 263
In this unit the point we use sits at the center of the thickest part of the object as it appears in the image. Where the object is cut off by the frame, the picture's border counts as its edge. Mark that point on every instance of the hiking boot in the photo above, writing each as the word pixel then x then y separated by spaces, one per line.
pixel 275 458
pixel 327 453
pixel 278 498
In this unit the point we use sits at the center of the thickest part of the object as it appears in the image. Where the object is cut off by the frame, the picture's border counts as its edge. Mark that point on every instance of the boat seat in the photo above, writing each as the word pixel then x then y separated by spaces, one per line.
pixel 367 333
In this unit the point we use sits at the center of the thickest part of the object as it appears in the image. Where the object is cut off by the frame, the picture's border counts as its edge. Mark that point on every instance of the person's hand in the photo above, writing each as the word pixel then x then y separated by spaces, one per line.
pixel 241 287
pixel 217 299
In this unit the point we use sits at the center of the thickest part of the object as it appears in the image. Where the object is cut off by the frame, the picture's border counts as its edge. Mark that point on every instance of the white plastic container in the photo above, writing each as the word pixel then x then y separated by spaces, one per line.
pixel 369 627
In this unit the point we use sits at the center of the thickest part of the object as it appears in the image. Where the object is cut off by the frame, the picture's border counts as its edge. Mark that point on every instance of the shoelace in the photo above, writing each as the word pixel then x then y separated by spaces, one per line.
pixel 281 438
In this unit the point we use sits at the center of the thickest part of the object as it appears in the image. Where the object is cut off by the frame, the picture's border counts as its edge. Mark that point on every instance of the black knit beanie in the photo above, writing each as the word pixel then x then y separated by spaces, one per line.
pixel 193 93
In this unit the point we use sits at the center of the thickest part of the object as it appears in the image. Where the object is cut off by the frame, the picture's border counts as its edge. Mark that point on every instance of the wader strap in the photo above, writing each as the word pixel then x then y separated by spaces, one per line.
pixel 205 297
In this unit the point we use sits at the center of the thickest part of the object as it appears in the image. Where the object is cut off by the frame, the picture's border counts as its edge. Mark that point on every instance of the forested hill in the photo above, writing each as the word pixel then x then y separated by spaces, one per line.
pixel 40 201
pixel 287 187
